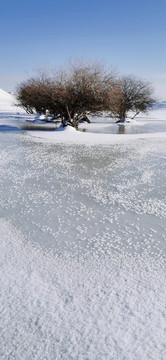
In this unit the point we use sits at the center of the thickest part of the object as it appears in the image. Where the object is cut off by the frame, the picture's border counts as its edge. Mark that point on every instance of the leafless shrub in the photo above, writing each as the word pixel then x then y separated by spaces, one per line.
pixel 133 95
pixel 84 88
pixel 74 92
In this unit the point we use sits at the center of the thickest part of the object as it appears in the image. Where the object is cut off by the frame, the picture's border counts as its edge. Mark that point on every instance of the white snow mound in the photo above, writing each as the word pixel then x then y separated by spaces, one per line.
pixel 8 103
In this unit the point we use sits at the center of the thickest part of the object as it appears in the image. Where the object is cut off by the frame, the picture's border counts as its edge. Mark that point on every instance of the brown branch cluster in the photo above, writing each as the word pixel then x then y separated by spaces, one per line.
pixel 81 89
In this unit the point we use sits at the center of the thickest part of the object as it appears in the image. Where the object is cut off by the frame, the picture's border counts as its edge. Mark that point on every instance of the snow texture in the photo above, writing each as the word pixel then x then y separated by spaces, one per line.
pixel 54 308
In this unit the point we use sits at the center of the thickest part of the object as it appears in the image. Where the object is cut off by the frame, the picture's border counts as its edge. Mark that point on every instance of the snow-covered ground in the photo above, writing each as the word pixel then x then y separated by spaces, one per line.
pixel 52 308
pixel 83 242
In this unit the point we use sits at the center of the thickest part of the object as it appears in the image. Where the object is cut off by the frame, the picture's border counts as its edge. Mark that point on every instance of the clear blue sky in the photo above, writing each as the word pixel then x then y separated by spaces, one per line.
pixel 129 34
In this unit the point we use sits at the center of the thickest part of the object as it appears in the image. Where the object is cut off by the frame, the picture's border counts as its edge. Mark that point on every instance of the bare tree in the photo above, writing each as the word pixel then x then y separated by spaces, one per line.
pixel 134 95
pixel 84 88
pixel 74 92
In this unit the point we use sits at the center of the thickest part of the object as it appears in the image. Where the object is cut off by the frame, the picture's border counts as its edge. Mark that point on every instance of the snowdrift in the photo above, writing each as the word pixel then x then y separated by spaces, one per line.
pixel 8 103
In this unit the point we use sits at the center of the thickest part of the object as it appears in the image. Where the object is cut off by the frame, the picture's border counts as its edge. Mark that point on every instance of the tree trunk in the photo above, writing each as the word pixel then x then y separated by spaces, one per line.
pixel 85 118
pixel 122 118
pixel 136 114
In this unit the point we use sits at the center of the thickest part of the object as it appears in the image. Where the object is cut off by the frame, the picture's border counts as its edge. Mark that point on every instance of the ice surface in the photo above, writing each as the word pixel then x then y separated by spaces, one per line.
pixel 82 247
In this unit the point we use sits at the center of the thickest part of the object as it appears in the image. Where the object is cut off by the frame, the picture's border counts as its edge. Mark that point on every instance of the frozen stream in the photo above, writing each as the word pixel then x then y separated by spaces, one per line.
pixel 83 249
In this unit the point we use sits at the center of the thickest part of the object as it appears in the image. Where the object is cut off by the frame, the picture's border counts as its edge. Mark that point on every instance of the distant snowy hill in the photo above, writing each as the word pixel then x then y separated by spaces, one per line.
pixel 7 103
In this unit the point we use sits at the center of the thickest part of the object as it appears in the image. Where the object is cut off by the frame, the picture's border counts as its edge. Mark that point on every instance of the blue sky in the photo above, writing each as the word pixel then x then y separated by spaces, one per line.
pixel 130 35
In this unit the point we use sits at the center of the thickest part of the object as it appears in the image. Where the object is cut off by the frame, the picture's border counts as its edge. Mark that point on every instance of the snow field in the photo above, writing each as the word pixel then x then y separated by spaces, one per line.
pixel 57 308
